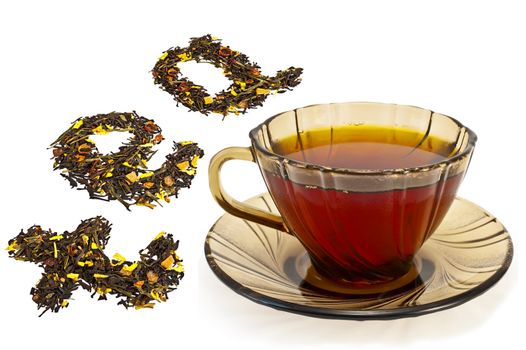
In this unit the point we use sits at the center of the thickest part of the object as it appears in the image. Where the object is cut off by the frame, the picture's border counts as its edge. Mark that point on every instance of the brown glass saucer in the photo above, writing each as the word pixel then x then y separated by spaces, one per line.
pixel 468 254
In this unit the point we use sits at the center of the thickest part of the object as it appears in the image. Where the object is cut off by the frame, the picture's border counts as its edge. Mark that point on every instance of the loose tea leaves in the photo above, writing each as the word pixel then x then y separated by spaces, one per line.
pixel 123 175
pixel 249 87
pixel 77 258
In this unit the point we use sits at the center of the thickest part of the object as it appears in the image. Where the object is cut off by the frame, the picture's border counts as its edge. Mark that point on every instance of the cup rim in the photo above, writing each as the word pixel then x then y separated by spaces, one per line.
pixel 421 168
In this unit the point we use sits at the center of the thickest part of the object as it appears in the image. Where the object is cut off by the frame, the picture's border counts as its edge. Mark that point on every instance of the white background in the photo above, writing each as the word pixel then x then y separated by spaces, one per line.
pixel 62 60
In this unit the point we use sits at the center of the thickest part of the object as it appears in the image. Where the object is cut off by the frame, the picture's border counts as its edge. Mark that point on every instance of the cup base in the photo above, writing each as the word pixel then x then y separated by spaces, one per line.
pixel 315 279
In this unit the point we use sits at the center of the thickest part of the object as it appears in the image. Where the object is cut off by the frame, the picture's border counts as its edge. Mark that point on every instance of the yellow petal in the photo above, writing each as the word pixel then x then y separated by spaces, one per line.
pixel 155 295
pixel 119 258
pixel 130 268
pixel 55 252
pixel 241 84
pixel 190 171
pixel 208 100
pixel 85 239
pixel 178 268
pixel 194 161
pixel 99 275
pixel 144 306
pixel 108 174
pixel 78 124
pixel 103 290
pixel 185 56
pixel 184 143
pixel 233 92
pixel 260 91
pixel 73 276
pixel 159 235
pixel 64 303
pixel 81 263
pixel 12 246
pixel 94 245
pixel 147 174
pixel 163 56
pixel 183 165
pixel 128 165
pixel 100 130
pixel 88 263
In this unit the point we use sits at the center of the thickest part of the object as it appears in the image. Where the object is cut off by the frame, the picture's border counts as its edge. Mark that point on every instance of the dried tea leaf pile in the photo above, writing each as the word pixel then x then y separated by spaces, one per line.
pixel 249 87
pixel 123 175
pixel 77 258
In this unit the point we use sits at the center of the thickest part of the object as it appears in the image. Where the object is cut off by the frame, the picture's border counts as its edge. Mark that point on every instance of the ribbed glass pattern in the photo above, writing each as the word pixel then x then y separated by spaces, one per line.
pixel 362 225
pixel 468 253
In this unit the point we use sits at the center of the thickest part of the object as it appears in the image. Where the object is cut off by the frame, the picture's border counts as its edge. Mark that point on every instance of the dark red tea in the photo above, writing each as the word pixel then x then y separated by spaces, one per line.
pixel 370 234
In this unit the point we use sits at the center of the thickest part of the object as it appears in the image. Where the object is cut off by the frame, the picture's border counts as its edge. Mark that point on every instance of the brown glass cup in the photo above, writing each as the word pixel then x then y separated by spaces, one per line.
pixel 357 225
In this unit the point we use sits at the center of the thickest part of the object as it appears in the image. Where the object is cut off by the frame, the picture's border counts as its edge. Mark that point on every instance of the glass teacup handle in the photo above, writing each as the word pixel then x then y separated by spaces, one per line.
pixel 231 205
